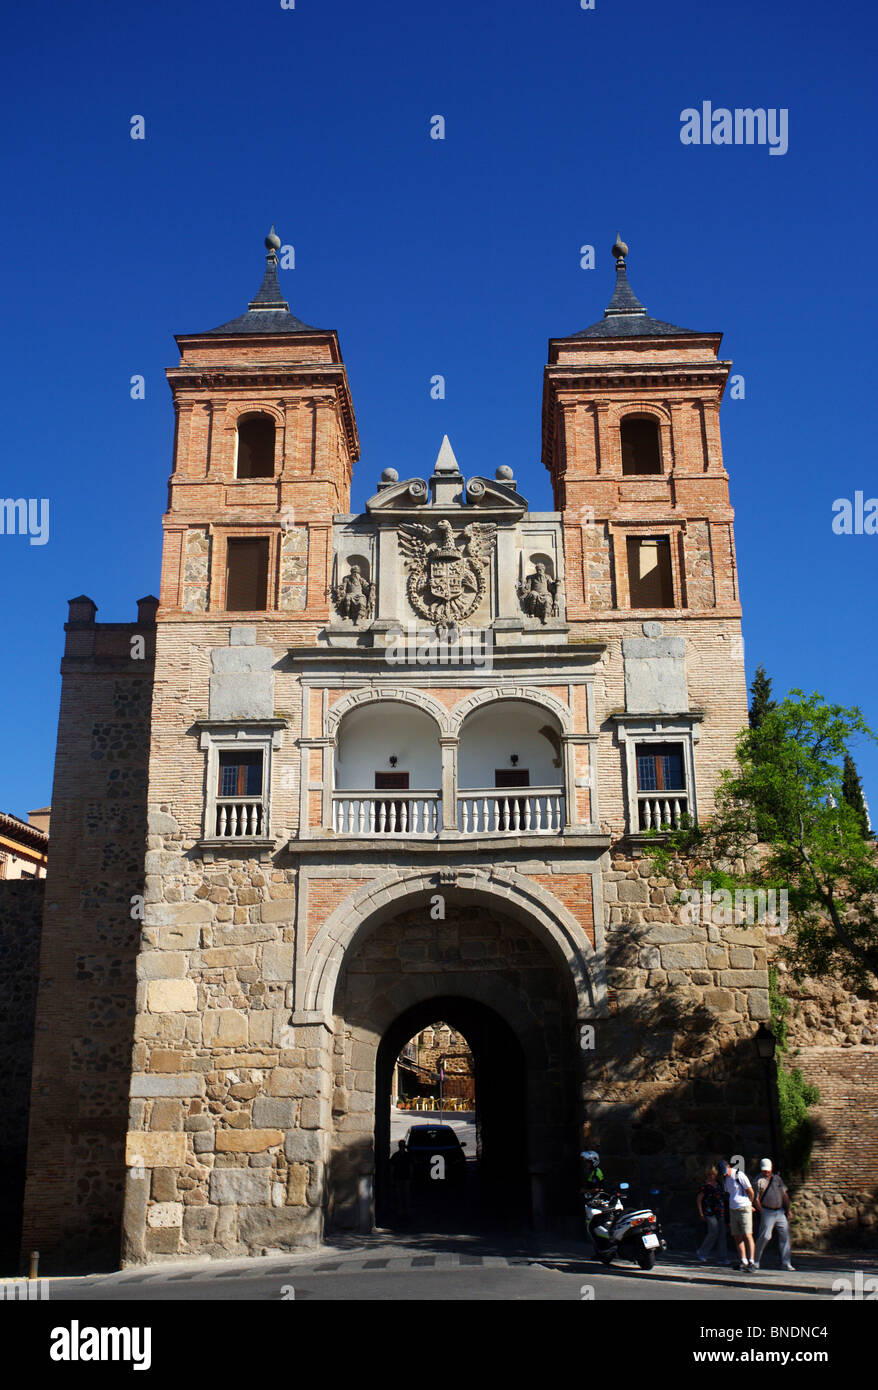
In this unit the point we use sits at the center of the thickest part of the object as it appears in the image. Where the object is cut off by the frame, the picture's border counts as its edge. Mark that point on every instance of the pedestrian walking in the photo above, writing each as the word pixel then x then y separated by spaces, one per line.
pixel 741 1197
pixel 712 1210
pixel 773 1202
pixel 401 1176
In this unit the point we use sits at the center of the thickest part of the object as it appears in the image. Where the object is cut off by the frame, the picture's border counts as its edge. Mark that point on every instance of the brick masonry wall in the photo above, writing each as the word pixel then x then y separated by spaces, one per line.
pixel 832 1035
pixel 837 1205
pixel 21 916
pixel 717 686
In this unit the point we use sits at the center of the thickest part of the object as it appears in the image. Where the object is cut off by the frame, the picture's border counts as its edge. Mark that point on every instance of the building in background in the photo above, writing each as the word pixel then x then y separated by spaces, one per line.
pixel 24 845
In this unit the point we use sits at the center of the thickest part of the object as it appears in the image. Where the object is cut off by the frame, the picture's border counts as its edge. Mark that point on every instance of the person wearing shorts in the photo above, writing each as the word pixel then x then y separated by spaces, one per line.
pixel 737 1185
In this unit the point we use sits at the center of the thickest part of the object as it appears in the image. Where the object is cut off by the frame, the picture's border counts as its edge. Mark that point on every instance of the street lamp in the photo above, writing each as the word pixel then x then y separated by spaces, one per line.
pixel 766 1043
pixel 766 1046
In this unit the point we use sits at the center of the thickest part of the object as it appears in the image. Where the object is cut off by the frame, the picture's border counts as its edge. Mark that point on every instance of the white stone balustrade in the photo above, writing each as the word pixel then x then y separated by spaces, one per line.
pixel 661 810
pixel 386 813
pixel 530 811
pixel 239 817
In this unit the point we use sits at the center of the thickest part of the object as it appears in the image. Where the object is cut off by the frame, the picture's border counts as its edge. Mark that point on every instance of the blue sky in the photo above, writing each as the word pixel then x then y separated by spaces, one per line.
pixel 457 257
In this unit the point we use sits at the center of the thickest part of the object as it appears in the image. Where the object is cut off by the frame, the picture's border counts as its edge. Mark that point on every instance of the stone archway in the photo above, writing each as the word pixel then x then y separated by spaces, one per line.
pixel 486 963
pixel 501 1109
pixel 502 889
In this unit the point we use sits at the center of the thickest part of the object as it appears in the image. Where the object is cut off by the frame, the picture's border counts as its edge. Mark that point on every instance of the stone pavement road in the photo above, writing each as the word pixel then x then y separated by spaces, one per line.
pixel 453 1268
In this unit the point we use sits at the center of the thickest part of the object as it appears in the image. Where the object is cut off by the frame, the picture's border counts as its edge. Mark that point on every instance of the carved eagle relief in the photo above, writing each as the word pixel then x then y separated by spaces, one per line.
pixel 446 581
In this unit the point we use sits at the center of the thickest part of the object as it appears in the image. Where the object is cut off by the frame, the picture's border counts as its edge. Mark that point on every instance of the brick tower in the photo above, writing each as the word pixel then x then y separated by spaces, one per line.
pixel 265 444
pixel 631 440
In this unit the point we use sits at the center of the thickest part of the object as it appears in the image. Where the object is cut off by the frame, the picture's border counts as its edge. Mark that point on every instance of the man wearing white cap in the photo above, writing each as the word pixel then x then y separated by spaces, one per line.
pixel 773 1201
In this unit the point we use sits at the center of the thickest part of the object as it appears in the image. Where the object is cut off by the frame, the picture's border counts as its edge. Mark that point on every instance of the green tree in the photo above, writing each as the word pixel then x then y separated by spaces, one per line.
pixel 761 701
pixel 786 792
pixel 852 791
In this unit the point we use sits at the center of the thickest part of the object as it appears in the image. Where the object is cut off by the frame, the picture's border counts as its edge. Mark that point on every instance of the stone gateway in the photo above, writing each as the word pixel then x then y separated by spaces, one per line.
pixel 333 848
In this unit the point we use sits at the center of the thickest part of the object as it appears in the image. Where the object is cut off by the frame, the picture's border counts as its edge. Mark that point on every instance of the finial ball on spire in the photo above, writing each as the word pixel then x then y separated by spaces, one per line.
pixel 272 241
pixel 620 250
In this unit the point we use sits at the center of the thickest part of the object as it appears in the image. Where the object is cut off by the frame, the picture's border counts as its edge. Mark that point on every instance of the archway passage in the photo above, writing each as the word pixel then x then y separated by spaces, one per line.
pixel 501 982
pixel 496 1187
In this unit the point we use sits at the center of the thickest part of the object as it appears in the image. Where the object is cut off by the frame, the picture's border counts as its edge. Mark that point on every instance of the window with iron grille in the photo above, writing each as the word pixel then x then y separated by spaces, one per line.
pixel 660 767
pixel 240 774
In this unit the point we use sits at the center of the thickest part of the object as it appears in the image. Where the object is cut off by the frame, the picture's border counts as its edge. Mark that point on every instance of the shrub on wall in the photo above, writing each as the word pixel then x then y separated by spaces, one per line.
pixel 795 1095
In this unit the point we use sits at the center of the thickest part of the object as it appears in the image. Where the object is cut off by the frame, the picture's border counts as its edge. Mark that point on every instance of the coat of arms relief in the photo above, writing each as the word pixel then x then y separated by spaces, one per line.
pixel 446 581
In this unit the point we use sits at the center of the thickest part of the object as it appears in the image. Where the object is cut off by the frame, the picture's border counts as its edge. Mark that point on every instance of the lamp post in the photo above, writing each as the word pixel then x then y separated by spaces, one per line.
pixel 766 1046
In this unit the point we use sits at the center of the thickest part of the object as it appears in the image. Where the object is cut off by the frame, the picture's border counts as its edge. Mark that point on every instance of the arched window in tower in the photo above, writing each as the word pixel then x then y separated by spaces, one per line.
pixel 255 446
pixel 641 445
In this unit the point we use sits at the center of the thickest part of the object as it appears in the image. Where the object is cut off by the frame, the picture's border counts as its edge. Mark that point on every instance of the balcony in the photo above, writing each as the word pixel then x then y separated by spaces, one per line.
pixel 239 817
pixel 397 813
pixel 533 811
pixel 661 810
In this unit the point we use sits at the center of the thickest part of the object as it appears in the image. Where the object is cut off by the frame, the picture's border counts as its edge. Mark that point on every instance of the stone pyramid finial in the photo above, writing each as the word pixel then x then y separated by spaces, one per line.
pixel 445 460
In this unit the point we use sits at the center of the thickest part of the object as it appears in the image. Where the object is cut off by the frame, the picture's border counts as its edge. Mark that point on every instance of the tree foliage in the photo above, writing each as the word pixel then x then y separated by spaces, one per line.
pixel 782 822
pixel 760 697
pixel 852 791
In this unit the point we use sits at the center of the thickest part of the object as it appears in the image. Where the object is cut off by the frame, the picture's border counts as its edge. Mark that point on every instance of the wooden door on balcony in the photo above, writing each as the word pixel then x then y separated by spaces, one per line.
pixel 513 777
pixel 391 782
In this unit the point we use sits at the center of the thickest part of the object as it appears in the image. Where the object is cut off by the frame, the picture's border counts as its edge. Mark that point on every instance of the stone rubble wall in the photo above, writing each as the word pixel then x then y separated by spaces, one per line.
pixel 89 945
pixel 21 916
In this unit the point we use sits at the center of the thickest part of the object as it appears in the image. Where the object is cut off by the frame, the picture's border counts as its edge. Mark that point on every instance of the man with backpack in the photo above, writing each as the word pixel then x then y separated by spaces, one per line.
pixel 773 1201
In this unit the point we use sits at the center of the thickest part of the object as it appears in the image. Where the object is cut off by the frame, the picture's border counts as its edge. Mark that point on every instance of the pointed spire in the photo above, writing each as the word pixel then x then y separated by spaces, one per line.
pixel 445 460
pixel 269 295
pixel 624 299
pixel 446 484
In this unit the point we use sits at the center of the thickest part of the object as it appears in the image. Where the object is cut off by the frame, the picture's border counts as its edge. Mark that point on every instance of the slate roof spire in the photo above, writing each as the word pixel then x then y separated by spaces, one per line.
pixel 625 316
pixel 269 295
pixel 268 312
pixel 624 299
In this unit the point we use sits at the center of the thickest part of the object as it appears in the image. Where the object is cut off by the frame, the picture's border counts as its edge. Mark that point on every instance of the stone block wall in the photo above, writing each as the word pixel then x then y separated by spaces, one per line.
pixel 227 1099
pixel 90 940
pixel 673 1080
pixel 21 917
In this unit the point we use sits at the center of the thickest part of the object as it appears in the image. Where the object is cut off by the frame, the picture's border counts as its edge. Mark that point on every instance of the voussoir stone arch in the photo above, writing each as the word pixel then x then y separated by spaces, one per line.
pixel 529 694
pixel 507 891
pixel 397 695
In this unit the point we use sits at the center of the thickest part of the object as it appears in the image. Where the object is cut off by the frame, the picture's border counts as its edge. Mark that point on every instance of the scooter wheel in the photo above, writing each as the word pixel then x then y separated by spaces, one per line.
pixel 646 1259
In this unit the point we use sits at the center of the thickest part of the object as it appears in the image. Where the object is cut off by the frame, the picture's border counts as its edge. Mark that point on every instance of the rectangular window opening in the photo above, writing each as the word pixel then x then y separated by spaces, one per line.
pixel 240 774
pixel 650 578
pixel 660 767
pixel 247 574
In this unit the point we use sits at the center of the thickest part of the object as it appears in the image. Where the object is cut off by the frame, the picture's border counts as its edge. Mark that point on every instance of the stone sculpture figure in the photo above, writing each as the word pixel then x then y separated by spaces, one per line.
pixel 537 593
pixel 353 596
